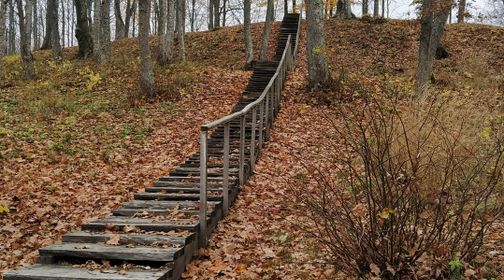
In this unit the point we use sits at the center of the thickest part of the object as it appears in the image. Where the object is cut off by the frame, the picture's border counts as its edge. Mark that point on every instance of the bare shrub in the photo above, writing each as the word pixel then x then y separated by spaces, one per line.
pixel 414 193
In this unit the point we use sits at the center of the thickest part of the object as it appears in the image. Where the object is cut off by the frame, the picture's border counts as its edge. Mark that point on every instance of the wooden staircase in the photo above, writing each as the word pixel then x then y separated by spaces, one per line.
pixel 155 235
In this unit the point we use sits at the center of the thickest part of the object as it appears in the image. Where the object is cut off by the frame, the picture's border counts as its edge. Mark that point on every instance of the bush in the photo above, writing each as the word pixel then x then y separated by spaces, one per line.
pixel 414 193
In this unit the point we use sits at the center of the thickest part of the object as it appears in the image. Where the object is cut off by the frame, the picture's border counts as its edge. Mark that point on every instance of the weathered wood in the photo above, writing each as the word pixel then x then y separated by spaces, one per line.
pixel 111 252
pixel 143 224
pixel 139 239
pixel 60 272
pixel 173 196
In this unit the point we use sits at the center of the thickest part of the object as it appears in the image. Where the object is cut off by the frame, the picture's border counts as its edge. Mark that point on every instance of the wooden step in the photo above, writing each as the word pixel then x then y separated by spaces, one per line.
pixel 128 238
pixel 173 196
pixel 61 272
pixel 143 224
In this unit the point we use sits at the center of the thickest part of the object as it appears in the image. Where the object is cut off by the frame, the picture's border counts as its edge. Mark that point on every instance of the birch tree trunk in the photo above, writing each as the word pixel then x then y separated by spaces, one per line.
pixel 3 11
pixel 25 26
pixel 82 32
pixel 181 29
pixel 97 45
pixel 55 36
pixel 105 29
pixel 266 30
pixel 163 44
pixel 434 16
pixel 119 22
pixel 62 37
pixel 249 52
pixel 318 73
pixel 146 72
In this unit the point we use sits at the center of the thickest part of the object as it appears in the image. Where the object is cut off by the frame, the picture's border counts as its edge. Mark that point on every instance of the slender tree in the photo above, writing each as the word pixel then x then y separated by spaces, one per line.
pixel 266 30
pixel 434 15
pixel 25 26
pixel 46 43
pixel 36 38
pixel 211 14
pixel 181 29
pixel 146 72
pixel 3 9
pixel 318 73
pixel 365 7
pixel 119 22
pixel 462 11
pixel 82 32
pixel 216 13
pixel 249 52
pixel 52 10
pixel 162 54
pixel 131 6
pixel 12 29
pixel 105 28
pixel 376 8
pixel 97 38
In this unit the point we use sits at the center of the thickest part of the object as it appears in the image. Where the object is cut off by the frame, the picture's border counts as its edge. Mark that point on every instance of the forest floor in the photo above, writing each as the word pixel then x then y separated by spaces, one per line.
pixel 73 147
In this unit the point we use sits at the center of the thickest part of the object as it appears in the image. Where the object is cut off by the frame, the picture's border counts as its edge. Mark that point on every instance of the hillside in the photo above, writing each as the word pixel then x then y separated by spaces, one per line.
pixel 78 141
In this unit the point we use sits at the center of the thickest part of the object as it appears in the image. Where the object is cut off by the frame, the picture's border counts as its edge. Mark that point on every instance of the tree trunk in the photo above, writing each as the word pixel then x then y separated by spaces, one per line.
pixel 461 11
pixel 130 11
pixel 286 7
pixel 82 32
pixel 146 72
pixel 343 9
pixel 3 10
pixel 376 8
pixel 25 26
pixel 119 22
pixel 181 29
pixel 224 12
pixel 383 8
pixel 193 14
pixel 12 29
pixel 365 7
pixel 62 37
pixel 318 73
pixel 36 38
pixel 162 54
pixel 46 44
pixel 266 31
pixel 211 14
pixel 97 48
pixel 433 20
pixel 52 10
pixel 105 28
pixel 249 52
pixel 216 13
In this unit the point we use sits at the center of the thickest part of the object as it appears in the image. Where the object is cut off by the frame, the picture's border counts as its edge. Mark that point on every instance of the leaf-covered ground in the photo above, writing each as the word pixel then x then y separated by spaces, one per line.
pixel 91 150
pixel 260 239
pixel 77 142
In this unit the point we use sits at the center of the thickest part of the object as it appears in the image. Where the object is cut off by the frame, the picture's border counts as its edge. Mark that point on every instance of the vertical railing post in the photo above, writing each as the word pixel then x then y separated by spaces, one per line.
pixel 242 150
pixel 261 123
pixel 225 181
pixel 266 117
pixel 203 189
pixel 252 139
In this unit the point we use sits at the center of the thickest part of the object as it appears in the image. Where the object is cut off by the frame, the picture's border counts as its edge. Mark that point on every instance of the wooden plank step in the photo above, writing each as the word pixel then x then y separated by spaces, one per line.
pixel 156 204
pixel 182 184
pixel 143 224
pixel 180 190
pixel 128 212
pixel 172 196
pixel 99 251
pixel 60 272
pixel 138 239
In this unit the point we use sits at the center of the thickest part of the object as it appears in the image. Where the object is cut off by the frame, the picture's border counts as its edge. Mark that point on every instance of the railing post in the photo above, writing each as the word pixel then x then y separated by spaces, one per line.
pixel 242 150
pixel 266 117
pixel 225 181
pixel 203 190
pixel 252 139
pixel 261 123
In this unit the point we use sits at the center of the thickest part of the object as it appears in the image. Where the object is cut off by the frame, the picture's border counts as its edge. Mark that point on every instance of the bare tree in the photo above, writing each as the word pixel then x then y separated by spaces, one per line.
pixel 365 7
pixel 266 30
pixel 12 29
pixel 119 22
pixel 162 54
pixel 25 27
pixel 146 72
pixel 181 29
pixel 434 16
pixel 52 10
pixel 318 73
pixel 249 52
pixel 131 6
pixel 97 49
pixel 376 8
pixel 461 11
pixel 211 14
pixel 82 32
pixel 36 38
pixel 105 28
pixel 216 13
pixel 3 9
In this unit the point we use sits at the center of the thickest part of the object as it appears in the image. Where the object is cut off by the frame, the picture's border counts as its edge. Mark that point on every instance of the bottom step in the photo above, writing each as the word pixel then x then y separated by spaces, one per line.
pixel 58 272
